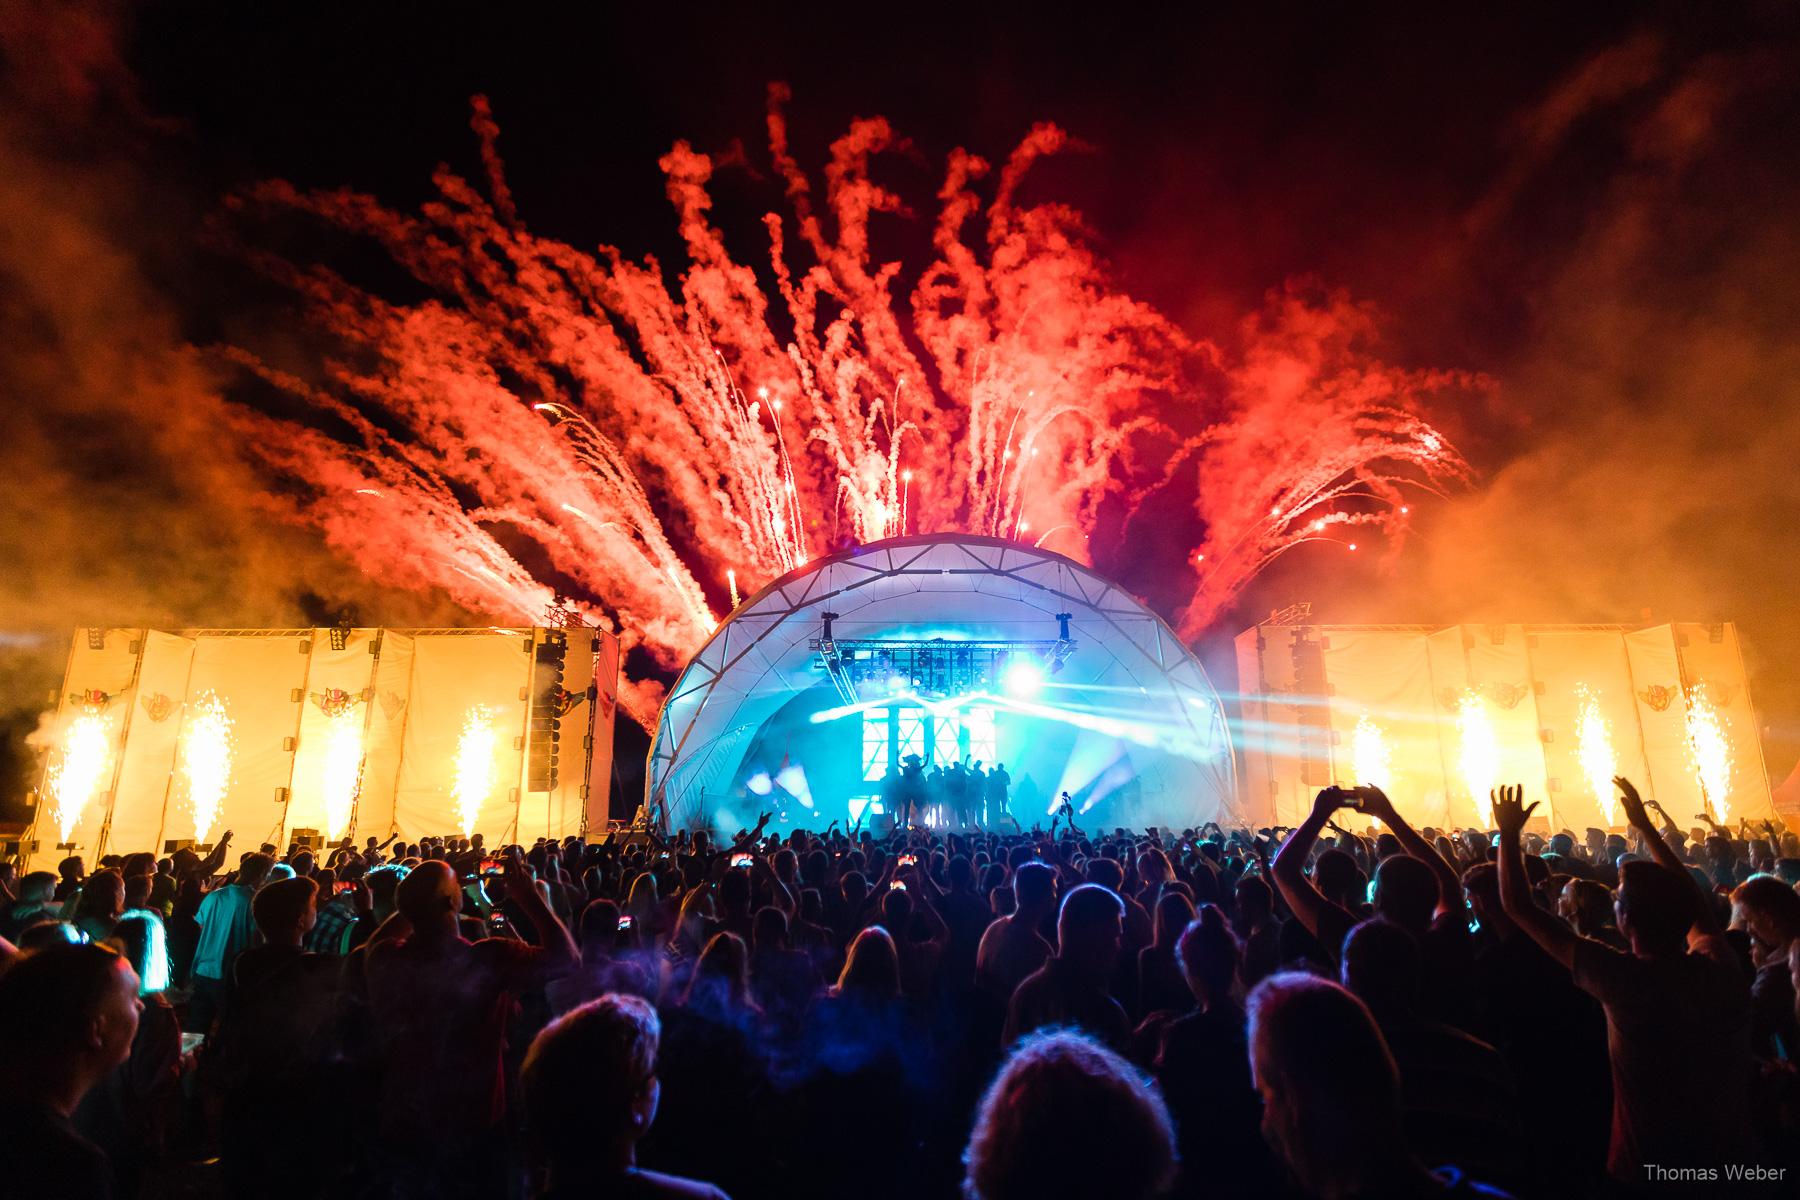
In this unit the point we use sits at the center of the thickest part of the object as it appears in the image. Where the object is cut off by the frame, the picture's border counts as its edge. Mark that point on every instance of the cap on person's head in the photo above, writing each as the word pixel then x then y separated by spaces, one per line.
pixel 427 892
pixel 1060 1091
pixel 591 1073
pixel 281 905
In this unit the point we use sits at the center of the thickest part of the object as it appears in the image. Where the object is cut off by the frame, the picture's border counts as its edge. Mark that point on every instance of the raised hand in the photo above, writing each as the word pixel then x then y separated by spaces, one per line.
pixel 1376 804
pixel 1632 803
pixel 1510 810
pixel 1328 801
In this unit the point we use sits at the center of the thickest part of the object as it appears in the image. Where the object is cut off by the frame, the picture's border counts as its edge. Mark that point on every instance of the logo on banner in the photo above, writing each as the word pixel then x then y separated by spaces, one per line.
pixel 392 704
pixel 335 702
pixel 1658 697
pixel 1503 695
pixel 93 701
pixel 157 706
pixel 1506 695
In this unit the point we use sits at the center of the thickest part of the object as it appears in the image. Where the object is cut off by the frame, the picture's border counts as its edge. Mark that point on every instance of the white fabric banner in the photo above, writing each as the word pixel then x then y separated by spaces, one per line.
pixel 88 733
pixel 1712 662
pixel 1383 719
pixel 328 763
pixel 146 769
pixel 452 678
pixel 1662 715
pixel 255 679
pixel 1565 662
pixel 387 726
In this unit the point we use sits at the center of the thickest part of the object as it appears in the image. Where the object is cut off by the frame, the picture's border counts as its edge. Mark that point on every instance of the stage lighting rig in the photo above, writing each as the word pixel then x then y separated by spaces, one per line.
pixel 940 667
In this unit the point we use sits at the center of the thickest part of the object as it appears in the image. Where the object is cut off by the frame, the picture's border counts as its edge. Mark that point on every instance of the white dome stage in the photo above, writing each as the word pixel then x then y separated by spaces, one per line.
pixel 948 647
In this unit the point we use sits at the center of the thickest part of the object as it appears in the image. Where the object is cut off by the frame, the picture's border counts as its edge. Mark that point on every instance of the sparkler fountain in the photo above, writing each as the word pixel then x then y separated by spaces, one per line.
pixel 474 764
pixel 342 777
pixel 1594 748
pixel 657 443
pixel 207 748
pixel 1369 754
pixel 83 760
pixel 1478 755
pixel 1709 752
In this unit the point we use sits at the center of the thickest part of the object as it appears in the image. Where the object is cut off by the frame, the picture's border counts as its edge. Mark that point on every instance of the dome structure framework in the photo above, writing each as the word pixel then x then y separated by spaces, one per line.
pixel 1126 719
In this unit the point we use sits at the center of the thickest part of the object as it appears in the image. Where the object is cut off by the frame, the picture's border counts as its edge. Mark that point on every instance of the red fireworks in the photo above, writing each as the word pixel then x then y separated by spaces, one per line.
pixel 649 439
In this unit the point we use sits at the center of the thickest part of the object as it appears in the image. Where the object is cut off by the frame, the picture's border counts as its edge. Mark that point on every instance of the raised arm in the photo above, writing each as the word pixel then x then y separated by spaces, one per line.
pixel 1450 894
pixel 1323 919
pixel 553 935
pixel 1706 917
pixel 750 837
pixel 209 866
pixel 926 897
pixel 784 899
pixel 1510 814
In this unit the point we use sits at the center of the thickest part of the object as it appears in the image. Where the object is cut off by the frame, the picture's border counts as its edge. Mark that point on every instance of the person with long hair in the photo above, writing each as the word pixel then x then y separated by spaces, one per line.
pixel 1161 987
pixel 100 905
pixel 713 1069
pixel 1066 1119
pixel 721 979
pixel 871 969
pixel 694 928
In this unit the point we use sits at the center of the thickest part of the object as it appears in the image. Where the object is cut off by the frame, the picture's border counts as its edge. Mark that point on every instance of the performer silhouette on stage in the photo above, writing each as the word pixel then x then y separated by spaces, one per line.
pixel 997 803
pixel 912 790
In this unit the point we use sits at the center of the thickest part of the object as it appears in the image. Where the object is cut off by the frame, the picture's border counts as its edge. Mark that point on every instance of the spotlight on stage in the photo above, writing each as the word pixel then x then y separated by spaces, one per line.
pixel 1024 678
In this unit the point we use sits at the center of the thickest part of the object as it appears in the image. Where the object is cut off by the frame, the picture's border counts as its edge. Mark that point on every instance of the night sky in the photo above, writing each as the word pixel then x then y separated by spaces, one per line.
pixel 1589 204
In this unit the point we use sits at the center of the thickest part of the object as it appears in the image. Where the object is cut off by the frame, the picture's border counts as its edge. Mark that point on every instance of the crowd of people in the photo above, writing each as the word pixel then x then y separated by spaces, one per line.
pixel 1319 1011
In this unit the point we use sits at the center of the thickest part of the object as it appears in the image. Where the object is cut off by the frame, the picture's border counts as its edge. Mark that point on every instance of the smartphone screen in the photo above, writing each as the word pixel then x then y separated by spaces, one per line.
pixel 896 886
pixel 740 860
pixel 624 924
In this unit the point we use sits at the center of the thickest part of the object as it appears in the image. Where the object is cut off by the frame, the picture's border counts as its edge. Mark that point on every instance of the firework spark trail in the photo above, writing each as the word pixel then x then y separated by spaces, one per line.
pixel 208 746
pixel 1478 754
pixel 474 767
pixel 638 438
pixel 1594 748
pixel 1709 752
pixel 83 760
